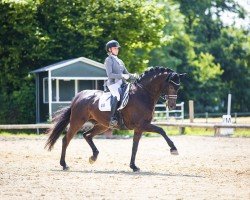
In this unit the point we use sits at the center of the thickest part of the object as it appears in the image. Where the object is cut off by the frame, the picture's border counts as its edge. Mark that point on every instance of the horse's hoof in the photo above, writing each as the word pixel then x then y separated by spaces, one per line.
pixel 136 169
pixel 174 152
pixel 91 160
pixel 65 168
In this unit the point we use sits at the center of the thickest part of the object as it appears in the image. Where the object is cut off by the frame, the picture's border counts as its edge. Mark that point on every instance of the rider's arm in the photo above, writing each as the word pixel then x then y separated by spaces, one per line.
pixel 131 76
pixel 125 70
pixel 108 65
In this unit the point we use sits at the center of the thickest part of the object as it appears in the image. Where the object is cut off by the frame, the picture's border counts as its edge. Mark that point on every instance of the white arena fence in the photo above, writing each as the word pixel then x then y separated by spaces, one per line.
pixel 163 113
pixel 180 125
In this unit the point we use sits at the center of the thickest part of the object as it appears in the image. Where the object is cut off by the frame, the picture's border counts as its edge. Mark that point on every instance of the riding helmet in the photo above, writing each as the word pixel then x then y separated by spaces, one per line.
pixel 112 43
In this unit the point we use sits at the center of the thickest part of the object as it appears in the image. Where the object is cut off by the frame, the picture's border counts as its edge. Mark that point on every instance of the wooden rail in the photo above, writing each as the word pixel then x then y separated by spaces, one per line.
pixel 202 125
pixel 25 126
pixel 160 123
pixel 219 128
pixel 181 125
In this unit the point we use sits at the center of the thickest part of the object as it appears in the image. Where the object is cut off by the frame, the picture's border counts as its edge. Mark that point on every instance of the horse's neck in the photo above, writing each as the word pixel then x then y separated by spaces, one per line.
pixel 153 92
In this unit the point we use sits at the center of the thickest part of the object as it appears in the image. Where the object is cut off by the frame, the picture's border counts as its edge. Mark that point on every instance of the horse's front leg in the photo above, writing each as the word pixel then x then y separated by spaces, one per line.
pixel 136 139
pixel 153 128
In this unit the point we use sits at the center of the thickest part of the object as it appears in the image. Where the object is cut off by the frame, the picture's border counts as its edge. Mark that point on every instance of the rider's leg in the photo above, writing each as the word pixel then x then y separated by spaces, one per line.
pixel 115 98
pixel 113 120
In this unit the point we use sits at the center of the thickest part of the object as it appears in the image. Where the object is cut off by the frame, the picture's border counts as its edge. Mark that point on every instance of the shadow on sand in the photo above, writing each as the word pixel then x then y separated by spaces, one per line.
pixel 140 173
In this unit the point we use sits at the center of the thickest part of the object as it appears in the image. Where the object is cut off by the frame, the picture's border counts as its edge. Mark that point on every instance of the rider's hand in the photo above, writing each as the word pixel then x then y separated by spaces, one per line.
pixel 135 75
pixel 125 76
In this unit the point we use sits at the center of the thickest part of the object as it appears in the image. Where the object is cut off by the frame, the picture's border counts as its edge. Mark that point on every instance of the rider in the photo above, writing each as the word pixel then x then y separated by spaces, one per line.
pixel 117 73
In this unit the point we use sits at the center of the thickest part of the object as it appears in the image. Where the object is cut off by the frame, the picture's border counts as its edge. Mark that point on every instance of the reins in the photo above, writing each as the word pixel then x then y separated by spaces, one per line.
pixel 141 86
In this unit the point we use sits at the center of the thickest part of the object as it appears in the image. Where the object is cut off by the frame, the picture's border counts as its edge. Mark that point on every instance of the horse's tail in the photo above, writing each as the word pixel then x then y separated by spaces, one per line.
pixel 61 120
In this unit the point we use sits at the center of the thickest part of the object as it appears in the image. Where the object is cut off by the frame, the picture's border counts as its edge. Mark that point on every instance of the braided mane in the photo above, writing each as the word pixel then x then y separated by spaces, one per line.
pixel 153 71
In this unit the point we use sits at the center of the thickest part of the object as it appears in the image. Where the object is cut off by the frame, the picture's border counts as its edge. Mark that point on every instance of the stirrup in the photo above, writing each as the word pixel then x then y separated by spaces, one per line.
pixel 113 122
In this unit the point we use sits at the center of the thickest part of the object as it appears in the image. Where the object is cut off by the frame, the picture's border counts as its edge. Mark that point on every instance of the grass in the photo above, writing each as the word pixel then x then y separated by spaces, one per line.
pixel 170 131
pixel 190 131
pixel 242 133
pixel 18 133
pixel 187 131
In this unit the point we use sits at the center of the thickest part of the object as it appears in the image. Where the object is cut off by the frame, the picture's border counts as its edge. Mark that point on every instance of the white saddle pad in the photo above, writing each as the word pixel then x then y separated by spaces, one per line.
pixel 104 101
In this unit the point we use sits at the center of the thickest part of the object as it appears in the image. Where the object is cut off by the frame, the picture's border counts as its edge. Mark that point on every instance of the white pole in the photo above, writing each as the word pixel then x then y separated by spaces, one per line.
pixel 229 104
pixel 50 95
pixel 191 110
pixel 76 87
pixel 57 90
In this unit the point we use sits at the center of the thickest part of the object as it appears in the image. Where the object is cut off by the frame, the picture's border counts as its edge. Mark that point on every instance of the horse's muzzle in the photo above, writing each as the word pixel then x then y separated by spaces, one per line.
pixel 171 104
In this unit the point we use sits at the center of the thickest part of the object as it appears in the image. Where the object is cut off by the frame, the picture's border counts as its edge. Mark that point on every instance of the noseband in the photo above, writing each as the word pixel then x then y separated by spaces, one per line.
pixel 167 97
pixel 171 96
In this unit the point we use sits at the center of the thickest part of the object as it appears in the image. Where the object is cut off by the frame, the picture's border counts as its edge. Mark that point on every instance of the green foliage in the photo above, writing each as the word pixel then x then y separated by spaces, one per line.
pixel 232 51
pixel 123 132
pixel 206 68
pixel 18 52
pixel 215 57
pixel 82 28
pixel 20 106
pixel 37 33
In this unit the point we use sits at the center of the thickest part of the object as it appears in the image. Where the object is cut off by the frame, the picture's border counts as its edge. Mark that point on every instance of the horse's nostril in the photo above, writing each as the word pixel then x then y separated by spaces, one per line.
pixel 171 107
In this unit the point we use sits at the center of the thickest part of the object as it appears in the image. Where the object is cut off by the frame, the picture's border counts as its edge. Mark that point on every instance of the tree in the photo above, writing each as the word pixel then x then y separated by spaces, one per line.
pixel 228 47
pixel 82 28
pixel 37 33
pixel 179 54
pixel 232 50
pixel 18 51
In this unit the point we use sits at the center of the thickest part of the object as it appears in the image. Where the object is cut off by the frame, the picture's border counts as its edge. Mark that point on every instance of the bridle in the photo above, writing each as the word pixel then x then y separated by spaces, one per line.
pixel 165 97
pixel 162 96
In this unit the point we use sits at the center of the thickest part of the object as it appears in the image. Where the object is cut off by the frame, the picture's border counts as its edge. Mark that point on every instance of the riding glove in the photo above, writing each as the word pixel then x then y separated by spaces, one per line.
pixel 125 76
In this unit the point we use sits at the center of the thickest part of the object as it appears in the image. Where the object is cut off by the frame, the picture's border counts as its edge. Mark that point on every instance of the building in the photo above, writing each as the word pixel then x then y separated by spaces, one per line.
pixel 58 83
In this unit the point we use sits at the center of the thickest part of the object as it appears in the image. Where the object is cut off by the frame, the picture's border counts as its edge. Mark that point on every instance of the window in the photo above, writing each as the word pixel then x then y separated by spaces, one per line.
pixel 66 90
pixel 45 90
pixel 86 85
pixel 100 84
pixel 63 91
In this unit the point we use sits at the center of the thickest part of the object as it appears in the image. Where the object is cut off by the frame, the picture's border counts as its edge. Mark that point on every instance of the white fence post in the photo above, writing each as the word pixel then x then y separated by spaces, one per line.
pixel 191 110
pixel 165 112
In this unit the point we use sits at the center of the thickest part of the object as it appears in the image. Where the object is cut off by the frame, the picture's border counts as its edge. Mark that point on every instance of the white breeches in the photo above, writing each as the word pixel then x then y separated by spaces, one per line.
pixel 114 89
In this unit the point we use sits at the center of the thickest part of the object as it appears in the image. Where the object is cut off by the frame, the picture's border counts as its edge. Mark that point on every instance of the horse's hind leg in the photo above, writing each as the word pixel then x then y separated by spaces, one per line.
pixel 97 129
pixel 65 142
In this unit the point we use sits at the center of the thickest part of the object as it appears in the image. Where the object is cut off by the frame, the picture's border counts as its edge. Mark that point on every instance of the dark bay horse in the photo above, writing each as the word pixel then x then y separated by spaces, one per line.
pixel 143 95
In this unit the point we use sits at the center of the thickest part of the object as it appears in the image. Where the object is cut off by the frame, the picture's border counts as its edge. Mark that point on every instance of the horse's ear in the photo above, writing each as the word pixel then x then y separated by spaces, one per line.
pixel 182 75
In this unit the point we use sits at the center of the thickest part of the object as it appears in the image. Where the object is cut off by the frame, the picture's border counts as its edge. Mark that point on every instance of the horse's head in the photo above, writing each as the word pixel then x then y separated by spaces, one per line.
pixel 161 81
pixel 171 88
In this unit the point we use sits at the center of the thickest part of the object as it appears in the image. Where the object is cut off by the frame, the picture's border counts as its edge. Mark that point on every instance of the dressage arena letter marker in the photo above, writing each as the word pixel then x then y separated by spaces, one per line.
pixel 226 119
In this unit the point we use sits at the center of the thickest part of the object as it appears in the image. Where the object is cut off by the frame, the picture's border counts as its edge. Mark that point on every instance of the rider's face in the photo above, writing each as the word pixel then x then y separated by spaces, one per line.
pixel 114 50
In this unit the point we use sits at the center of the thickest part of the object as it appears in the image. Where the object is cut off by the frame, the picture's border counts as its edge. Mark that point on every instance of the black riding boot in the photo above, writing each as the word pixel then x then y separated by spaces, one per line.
pixel 113 120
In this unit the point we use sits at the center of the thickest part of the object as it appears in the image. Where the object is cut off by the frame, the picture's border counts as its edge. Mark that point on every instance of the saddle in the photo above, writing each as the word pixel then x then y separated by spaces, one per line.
pixel 105 99
pixel 105 104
